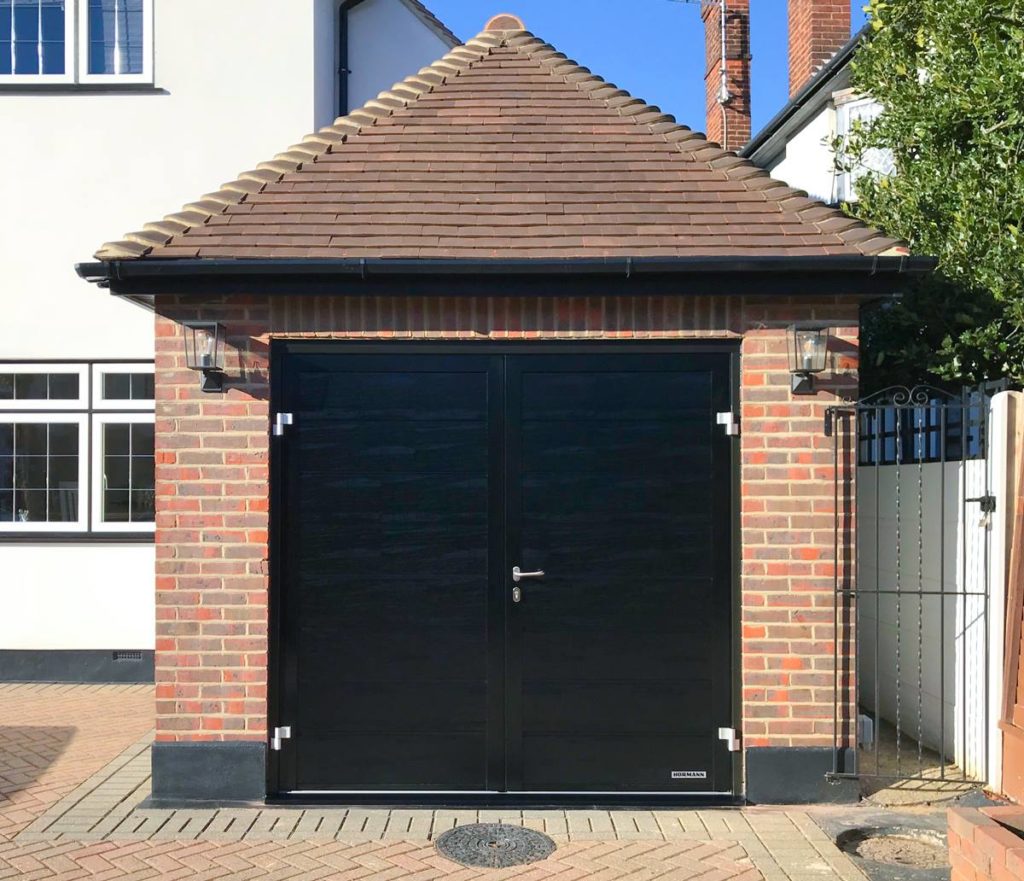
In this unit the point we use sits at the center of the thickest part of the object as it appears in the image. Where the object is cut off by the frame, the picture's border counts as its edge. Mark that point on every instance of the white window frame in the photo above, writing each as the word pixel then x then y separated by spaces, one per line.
pixel 81 524
pixel 21 405
pixel 114 78
pixel 76 54
pixel 69 56
pixel 99 371
pixel 96 490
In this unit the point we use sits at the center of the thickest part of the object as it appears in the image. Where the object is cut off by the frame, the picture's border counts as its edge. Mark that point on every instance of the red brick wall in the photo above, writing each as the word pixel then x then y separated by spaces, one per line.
pixel 212 494
pixel 732 131
pixel 980 849
pixel 817 30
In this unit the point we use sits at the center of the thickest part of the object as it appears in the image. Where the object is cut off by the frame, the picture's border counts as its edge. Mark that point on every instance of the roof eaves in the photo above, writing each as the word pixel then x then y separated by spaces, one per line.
pixel 763 143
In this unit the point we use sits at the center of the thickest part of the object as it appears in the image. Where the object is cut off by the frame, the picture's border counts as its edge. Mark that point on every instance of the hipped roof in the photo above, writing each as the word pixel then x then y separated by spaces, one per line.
pixel 503 149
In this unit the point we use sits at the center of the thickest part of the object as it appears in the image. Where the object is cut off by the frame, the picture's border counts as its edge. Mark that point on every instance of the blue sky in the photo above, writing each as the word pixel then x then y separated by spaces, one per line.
pixel 652 48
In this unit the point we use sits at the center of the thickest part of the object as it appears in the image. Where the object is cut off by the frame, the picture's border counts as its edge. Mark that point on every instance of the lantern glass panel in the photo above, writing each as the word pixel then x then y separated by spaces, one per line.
pixel 204 346
pixel 808 349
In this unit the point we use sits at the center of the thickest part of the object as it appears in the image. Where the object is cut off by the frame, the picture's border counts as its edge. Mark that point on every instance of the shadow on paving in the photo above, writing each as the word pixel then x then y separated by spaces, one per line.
pixel 26 751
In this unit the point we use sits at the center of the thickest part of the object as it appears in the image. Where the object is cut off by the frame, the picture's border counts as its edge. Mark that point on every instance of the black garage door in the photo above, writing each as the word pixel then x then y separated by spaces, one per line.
pixel 410 487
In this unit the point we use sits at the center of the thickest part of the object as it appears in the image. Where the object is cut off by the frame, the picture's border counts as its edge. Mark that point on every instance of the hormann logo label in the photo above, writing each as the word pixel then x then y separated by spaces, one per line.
pixel 689 775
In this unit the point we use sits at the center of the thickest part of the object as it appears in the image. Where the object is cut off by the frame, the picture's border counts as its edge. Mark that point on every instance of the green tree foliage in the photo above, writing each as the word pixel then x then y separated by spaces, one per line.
pixel 949 75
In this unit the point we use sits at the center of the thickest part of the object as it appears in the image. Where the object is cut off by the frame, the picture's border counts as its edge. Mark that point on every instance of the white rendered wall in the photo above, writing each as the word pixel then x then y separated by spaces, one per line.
pixel 808 161
pixel 234 85
pixel 957 638
pixel 408 46
pixel 236 81
pixel 77 597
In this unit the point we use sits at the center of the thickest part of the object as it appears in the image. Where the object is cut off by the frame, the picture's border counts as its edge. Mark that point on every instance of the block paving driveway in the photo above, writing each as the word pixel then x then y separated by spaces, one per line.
pixel 74 773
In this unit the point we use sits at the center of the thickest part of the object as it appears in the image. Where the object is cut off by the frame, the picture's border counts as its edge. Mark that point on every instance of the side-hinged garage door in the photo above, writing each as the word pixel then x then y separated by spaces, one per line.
pixel 501 571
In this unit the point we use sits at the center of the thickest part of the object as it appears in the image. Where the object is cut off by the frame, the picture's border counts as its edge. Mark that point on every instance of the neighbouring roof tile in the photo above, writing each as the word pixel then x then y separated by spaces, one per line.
pixel 504 148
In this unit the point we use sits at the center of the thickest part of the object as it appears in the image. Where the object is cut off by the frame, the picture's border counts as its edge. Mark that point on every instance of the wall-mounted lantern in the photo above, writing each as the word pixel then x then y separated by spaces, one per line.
pixel 204 351
pixel 808 354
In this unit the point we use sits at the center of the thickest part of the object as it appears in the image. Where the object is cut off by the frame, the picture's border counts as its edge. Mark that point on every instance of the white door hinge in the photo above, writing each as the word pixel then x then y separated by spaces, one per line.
pixel 283 733
pixel 732 425
pixel 731 738
pixel 280 421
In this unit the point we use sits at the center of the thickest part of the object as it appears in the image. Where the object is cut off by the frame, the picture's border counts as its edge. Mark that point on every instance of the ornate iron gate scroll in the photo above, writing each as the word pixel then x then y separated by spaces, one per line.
pixel 911 585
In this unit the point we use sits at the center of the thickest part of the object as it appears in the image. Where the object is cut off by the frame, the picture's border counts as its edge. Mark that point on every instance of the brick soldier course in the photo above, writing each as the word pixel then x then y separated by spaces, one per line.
pixel 503 150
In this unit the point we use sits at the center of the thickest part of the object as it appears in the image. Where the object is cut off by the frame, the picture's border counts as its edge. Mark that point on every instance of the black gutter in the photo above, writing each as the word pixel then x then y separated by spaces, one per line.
pixel 803 97
pixel 627 267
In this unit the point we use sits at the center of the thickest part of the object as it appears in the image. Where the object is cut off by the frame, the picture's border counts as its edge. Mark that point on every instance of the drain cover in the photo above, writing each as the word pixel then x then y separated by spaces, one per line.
pixel 494 845
pixel 897 846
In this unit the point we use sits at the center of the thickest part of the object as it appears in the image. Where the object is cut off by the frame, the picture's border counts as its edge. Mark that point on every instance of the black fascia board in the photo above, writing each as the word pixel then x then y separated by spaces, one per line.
pixel 821 79
pixel 208 268
pixel 141 281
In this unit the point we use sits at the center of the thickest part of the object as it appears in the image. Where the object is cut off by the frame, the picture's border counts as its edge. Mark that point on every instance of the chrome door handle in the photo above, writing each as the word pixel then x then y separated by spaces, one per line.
pixel 518 575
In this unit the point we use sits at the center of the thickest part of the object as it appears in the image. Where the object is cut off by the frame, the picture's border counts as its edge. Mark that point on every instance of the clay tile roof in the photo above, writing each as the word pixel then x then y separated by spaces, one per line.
pixel 504 148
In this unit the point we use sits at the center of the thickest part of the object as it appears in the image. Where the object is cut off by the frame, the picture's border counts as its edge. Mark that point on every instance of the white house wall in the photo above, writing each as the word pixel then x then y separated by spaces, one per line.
pixel 807 162
pixel 409 45
pixel 77 596
pixel 235 82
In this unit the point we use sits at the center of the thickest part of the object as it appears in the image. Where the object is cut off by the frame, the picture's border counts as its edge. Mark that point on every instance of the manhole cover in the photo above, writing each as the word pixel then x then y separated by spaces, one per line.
pixel 897 846
pixel 494 845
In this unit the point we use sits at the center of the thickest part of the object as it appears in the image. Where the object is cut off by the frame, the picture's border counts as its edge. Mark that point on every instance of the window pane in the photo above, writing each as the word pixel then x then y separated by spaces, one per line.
pixel 30 472
pixel 64 439
pixel 143 387
pixel 63 472
pixel 63 386
pixel 115 36
pixel 30 505
pixel 63 505
pixel 142 439
pixel 116 505
pixel 30 439
pixel 142 506
pixel 115 440
pixel 32 35
pixel 117 386
pixel 39 468
pixel 117 472
pixel 128 488
pixel 30 386
pixel 6 379
pixel 142 472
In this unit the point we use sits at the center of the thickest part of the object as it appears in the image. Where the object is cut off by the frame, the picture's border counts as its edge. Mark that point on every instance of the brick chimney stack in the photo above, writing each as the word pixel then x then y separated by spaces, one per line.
pixel 817 30
pixel 731 129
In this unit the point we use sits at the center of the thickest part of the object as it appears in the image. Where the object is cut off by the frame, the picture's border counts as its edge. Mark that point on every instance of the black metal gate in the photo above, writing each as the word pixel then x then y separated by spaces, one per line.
pixel 912 502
